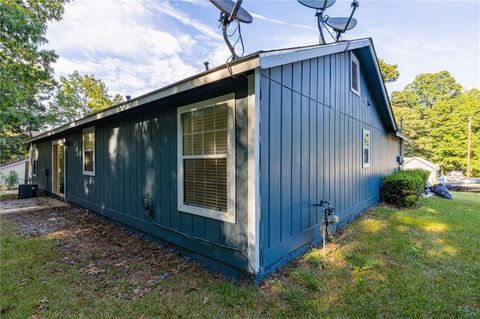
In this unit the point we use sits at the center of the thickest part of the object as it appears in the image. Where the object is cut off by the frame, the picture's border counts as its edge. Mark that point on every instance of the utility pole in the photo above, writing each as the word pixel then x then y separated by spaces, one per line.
pixel 469 145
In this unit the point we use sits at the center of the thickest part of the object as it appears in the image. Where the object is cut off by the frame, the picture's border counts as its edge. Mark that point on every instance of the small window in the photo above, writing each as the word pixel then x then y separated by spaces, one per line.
pixel 355 75
pixel 34 159
pixel 88 151
pixel 206 158
pixel 366 148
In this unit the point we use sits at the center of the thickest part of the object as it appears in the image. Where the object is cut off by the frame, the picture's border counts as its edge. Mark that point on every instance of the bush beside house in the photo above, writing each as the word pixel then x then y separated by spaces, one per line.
pixel 403 188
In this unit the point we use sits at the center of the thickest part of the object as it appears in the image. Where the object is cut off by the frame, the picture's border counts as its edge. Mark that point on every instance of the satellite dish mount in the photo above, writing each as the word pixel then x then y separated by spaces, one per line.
pixel 324 22
pixel 354 6
pixel 229 12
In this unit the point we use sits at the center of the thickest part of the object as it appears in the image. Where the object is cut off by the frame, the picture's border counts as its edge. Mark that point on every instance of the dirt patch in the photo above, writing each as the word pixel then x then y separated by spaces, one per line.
pixel 16 206
pixel 108 257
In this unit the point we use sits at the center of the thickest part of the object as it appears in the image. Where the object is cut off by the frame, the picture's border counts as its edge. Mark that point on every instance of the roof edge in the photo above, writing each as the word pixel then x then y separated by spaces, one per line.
pixel 262 59
pixel 408 159
pixel 213 75
pixel 384 89
pixel 272 59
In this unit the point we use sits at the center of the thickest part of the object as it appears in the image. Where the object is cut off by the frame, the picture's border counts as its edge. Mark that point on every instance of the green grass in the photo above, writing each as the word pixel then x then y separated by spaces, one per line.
pixel 413 263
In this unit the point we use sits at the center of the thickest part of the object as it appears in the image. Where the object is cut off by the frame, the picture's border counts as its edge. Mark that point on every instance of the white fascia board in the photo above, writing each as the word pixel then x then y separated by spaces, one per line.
pixel 207 77
pixel 276 58
pixel 384 90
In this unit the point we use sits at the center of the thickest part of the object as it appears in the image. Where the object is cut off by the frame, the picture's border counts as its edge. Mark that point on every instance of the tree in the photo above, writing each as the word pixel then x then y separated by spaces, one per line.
pixel 26 76
pixel 389 72
pixel 79 95
pixel 450 130
pixel 430 87
pixel 435 110
pixel 406 106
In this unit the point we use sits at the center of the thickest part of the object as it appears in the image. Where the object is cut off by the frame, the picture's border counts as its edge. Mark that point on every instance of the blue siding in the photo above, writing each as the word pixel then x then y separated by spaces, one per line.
pixel 136 154
pixel 310 149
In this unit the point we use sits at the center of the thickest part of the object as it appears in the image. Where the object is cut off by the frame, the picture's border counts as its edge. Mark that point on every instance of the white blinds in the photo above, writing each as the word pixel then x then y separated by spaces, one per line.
pixel 88 150
pixel 205 152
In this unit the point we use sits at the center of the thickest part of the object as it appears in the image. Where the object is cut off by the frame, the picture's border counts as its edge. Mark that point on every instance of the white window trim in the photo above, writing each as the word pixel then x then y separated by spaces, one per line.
pixel 229 215
pixel 59 142
pixel 354 59
pixel 365 165
pixel 88 130
pixel 33 159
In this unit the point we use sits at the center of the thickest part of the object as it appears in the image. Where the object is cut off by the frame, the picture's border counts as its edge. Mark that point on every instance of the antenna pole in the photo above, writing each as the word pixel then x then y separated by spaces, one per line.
pixel 355 5
pixel 319 16
pixel 227 41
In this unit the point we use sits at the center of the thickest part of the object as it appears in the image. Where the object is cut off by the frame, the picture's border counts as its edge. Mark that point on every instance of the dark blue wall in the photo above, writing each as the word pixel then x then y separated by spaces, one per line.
pixel 310 149
pixel 310 141
pixel 136 154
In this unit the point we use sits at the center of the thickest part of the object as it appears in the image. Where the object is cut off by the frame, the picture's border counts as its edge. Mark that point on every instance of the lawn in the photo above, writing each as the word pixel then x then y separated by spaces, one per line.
pixel 414 263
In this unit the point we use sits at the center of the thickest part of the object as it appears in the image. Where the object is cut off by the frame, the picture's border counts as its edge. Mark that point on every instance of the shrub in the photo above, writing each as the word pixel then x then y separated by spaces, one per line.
pixel 403 188
pixel 420 173
pixel 11 179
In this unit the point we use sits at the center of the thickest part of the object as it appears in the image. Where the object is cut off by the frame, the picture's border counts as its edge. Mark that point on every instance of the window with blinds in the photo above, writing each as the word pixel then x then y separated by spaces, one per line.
pixel 205 152
pixel 355 75
pixel 88 151
pixel 206 158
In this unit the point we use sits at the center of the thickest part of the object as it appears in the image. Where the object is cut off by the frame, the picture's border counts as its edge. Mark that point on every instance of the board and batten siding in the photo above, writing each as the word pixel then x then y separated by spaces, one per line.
pixel 136 155
pixel 311 149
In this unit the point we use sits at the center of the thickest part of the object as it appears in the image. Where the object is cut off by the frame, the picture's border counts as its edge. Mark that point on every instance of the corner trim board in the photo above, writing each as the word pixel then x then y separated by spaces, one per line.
pixel 253 224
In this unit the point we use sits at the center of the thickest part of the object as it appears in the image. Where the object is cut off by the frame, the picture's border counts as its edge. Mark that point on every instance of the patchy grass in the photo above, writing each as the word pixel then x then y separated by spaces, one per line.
pixel 390 263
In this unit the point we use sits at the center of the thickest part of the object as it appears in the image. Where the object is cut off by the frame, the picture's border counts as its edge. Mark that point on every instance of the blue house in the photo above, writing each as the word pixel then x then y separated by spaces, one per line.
pixel 228 164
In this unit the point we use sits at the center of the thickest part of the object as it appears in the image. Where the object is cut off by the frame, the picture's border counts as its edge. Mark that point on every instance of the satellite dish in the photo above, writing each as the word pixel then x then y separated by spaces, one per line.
pixel 232 11
pixel 338 25
pixel 227 6
pixel 341 24
pixel 317 4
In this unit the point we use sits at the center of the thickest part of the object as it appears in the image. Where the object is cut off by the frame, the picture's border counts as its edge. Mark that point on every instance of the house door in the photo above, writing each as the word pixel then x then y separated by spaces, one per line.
pixel 58 168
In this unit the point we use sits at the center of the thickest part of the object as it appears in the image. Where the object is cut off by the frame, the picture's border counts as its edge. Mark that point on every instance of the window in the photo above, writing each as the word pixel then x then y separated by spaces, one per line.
pixel 88 151
pixel 206 160
pixel 355 75
pixel 34 159
pixel 366 148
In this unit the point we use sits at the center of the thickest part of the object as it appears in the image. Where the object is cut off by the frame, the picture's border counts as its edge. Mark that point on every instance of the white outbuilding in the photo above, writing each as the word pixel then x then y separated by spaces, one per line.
pixel 418 162
pixel 19 166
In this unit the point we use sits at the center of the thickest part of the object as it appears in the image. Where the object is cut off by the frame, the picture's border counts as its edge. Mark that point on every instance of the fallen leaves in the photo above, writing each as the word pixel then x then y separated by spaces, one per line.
pixel 205 300
pixel 6 309
pixel 94 271
pixel 40 306
pixel 105 255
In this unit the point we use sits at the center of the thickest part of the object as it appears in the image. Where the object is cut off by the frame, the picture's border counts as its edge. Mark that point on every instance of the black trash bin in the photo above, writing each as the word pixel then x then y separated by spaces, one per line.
pixel 27 190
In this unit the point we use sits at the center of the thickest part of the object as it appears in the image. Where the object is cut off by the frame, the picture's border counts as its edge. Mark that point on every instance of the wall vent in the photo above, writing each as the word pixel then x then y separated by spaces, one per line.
pixel 355 75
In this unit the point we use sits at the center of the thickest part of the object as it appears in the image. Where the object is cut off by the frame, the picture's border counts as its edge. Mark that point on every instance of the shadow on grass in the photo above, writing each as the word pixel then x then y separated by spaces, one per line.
pixel 394 263
pixel 390 263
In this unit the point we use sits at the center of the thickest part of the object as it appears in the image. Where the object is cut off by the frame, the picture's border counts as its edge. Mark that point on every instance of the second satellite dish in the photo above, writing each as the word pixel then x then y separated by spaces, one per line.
pixel 340 24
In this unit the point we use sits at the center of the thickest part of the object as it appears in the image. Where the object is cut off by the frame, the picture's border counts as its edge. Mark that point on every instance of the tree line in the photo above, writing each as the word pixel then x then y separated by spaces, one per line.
pixel 31 99
pixel 440 118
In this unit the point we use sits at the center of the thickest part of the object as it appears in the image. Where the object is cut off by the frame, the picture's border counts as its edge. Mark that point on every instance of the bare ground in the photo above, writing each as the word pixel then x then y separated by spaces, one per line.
pixel 106 253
